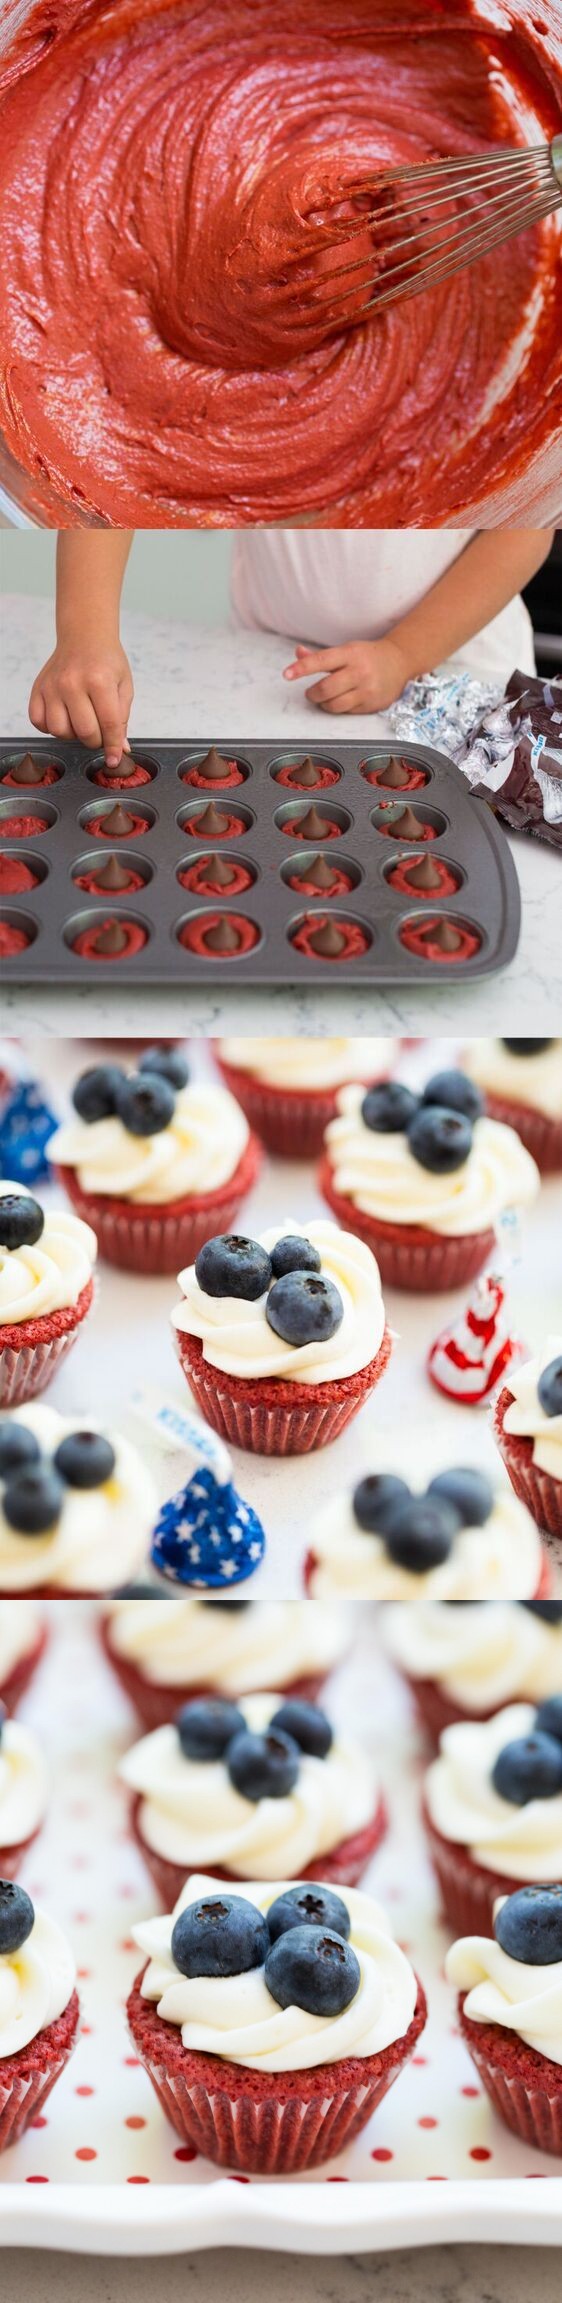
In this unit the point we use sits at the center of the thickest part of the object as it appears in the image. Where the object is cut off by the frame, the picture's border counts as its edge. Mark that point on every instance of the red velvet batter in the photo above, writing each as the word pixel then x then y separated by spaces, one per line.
pixel 295 828
pixel 98 827
pixel 15 876
pixel 199 884
pixel 412 780
pixel 324 777
pixel 418 938
pixel 400 879
pixel 162 163
pixel 51 775
pixel 194 936
pixel 22 827
pixel 356 942
pixel 342 886
pixel 232 775
pixel 88 881
pixel 393 831
pixel 86 943
pixel 120 783
pixel 232 828
pixel 12 940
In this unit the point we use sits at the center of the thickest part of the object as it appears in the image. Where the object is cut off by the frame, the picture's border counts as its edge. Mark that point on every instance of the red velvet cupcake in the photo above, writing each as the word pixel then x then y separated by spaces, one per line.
pixel 431 1159
pixel 288 1088
pixel 492 1810
pixel 521 1081
pixel 41 1309
pixel 23 1639
pixel 23 1793
pixel 528 1430
pixel 47 2030
pixel 164 1202
pixel 508 2015
pixel 223 1650
pixel 270 2119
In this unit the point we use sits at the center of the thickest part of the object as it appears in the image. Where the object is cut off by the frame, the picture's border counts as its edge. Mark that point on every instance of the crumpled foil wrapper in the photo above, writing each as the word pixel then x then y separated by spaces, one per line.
pixel 440 710
pixel 513 757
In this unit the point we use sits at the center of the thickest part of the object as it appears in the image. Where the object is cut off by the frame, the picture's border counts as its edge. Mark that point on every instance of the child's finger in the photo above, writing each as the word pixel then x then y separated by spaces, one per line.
pixel 315 660
pixel 85 723
pixel 343 702
pixel 36 709
pixel 57 719
pixel 337 684
pixel 112 721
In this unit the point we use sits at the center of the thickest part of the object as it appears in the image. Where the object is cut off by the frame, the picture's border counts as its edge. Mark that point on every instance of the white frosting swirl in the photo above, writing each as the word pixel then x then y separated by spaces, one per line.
pixel 481 1656
pixel 534 1081
pixel 236 1336
pixel 526 1418
pixel 523 1843
pixel 380 1175
pixel 309 1064
pixel 188 1643
pixel 23 1784
pixel 20 1631
pixel 35 1281
pixel 101 1537
pixel 236 2017
pixel 36 1984
pixel 198 1151
pixel 499 1560
pixel 524 1999
pixel 192 1814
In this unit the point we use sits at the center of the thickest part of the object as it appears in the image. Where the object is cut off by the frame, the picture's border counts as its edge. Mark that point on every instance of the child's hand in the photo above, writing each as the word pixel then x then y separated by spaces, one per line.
pixel 85 691
pixel 359 676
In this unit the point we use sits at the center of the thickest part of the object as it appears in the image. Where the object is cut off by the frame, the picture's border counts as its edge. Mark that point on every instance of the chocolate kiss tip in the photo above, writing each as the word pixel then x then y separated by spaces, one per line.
pixel 408 826
pixel 313 826
pixel 424 874
pixel 320 873
pixel 328 941
pixel 213 820
pixel 217 873
pixel 224 937
pixel 117 821
pixel 213 768
pixel 396 776
pixel 113 875
pixel 446 937
pixel 112 939
pixel 28 771
pixel 304 773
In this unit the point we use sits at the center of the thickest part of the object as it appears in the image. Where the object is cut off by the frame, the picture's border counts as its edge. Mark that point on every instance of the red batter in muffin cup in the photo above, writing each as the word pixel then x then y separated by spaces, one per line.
pixel 444 881
pixel 102 827
pixel 117 781
pixel 38 774
pixel 100 941
pixel 23 827
pixel 320 937
pixel 395 775
pixel 94 887
pixel 219 935
pixel 16 876
pixel 216 773
pixel 339 883
pixel 307 775
pixel 444 942
pixel 200 877
pixel 405 826
pixel 13 940
pixel 214 824
pixel 311 826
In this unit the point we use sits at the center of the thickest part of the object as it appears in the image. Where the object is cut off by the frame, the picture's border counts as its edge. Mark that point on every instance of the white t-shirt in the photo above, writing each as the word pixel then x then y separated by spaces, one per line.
pixel 324 585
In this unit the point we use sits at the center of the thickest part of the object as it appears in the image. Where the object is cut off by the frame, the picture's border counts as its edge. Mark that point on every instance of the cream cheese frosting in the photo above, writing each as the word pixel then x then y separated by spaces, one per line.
pixel 23 1784
pixel 236 2017
pixel 523 1843
pixel 307 1064
pixel 36 1984
pixel 500 1560
pixel 100 1539
pixel 534 1081
pixel 236 1651
pixel 236 1336
pixel 20 1631
pixel 192 1814
pixel 526 1419
pixel 197 1152
pixel 526 2000
pixel 379 1173
pixel 482 1657
pixel 35 1281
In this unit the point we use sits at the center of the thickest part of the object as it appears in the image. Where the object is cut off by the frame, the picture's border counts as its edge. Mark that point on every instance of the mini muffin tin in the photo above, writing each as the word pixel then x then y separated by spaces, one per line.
pixel 467 836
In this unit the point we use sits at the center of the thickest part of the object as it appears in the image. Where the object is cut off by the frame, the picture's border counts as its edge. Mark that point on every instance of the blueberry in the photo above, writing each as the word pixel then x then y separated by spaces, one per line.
pixel 548 1718
pixel 456 1093
pixel 376 1499
pixel 16 1916
pixel 549 1388
pixel 312 1968
pixel 294 1254
pixel 308 1907
pixel 146 1105
pixel 168 1064
pixel 303 1308
pixel 529 1926
pixel 421 1534
pixel 307 1724
pixel 33 1500
pixel 389 1109
pixel 527 1047
pixel 206 1725
pixel 222 1935
pixel 440 1140
pixel 549 1610
pixel 85 1459
pixel 17 1446
pixel 233 1265
pixel 528 1768
pixel 263 1766
pixel 468 1492
pixel 21 1220
pixel 96 1092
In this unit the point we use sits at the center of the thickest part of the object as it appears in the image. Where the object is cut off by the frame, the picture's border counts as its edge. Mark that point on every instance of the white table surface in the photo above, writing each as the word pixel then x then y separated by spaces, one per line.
pixel 201 684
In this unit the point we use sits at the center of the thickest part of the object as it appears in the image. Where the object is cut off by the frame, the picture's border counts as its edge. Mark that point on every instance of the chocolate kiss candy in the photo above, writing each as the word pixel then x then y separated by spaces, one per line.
pixel 446 937
pixel 213 768
pixel 408 826
pixel 111 939
pixel 126 766
pixel 305 774
pixel 118 823
pixel 28 771
pixel 222 938
pixel 313 826
pixel 328 941
pixel 212 821
pixel 113 875
pixel 424 874
pixel 396 776
pixel 218 873
pixel 320 873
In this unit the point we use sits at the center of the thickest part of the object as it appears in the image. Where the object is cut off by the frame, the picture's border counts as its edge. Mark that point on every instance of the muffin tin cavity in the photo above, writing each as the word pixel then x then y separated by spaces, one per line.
pixel 394 772
pixel 20 872
pixel 183 833
pixel 305 771
pixel 17 934
pixel 202 769
pixel 136 770
pixel 442 940
pixel 428 877
pixel 26 771
pixel 401 820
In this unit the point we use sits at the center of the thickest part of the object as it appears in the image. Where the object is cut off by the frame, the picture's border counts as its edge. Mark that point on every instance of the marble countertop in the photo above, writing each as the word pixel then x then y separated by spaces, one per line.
pixel 455 2274
pixel 199 682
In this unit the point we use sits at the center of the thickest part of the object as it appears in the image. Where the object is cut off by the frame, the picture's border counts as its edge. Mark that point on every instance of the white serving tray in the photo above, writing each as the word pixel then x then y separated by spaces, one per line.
pixel 127 1344
pixel 100 2174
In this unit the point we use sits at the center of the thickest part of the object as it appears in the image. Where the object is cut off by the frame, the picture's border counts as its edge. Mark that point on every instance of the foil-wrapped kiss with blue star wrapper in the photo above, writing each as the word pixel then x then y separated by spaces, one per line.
pixel 206 1535
pixel 26 1122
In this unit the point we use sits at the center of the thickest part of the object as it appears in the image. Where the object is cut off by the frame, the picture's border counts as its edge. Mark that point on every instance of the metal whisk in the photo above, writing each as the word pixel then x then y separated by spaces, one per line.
pixel 426 224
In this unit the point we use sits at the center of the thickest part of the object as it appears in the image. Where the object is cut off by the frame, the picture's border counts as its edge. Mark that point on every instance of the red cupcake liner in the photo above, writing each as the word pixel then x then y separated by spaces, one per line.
pixel 410 1256
pixel 541 1136
pixel 26 2079
pixel 157 1705
pixel 537 1489
pixel 469 1890
pixel 260 1417
pixel 162 1239
pixel 258 2122
pixel 14 1687
pixel 342 1867
pixel 524 2087
pixel 12 1857
pixel 30 1353
pixel 290 1121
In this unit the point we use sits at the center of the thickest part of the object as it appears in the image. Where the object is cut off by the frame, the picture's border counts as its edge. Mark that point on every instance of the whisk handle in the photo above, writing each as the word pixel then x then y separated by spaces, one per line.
pixel 556 157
